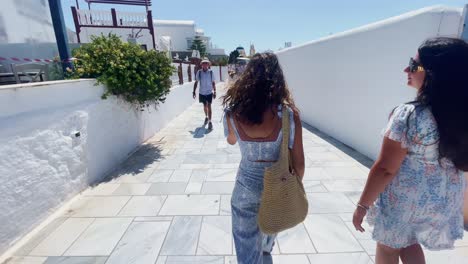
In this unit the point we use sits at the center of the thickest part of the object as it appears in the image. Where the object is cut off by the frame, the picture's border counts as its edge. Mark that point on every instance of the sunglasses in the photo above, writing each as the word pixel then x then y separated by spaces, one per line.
pixel 415 66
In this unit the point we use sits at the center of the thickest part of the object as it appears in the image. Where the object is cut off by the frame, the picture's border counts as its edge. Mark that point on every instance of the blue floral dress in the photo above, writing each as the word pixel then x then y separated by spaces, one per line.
pixel 424 202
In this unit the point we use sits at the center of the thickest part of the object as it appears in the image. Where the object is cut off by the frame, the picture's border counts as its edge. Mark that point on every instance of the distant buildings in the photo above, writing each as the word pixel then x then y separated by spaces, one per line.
pixel 287 44
pixel 252 50
pixel 241 51
pixel 173 36
pixel 180 35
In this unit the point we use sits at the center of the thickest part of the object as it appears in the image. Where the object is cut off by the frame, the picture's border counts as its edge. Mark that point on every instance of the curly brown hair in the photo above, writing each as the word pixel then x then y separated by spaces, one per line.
pixel 260 87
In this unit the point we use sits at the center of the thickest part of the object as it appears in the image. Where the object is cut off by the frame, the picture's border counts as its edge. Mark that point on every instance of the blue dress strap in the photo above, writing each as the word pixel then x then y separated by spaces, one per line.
pixel 292 125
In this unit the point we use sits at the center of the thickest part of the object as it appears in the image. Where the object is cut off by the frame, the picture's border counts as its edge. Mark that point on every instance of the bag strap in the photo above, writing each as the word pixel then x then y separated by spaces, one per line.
pixel 284 151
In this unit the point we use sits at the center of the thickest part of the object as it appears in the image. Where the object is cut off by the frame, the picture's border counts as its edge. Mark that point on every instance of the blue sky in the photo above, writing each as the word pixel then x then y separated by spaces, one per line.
pixel 269 23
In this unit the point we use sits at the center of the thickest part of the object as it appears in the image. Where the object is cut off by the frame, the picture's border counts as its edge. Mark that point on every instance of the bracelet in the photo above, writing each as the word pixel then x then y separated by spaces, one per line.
pixel 363 206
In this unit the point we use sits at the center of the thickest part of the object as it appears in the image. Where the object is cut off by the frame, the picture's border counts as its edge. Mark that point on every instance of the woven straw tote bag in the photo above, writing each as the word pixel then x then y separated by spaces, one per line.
pixel 284 202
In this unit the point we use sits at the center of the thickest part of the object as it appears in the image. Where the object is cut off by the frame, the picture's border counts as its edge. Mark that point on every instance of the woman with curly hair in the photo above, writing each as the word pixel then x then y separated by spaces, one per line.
pixel 254 106
pixel 418 179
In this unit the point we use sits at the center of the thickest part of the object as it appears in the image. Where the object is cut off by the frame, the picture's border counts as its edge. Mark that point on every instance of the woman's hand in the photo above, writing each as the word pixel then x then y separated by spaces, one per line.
pixel 358 217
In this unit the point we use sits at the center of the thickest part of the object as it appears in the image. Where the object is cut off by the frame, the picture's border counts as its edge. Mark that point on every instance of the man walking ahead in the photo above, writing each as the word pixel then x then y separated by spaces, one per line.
pixel 207 90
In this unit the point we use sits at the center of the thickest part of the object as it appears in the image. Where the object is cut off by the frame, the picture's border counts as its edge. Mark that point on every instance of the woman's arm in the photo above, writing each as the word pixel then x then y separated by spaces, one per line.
pixel 297 151
pixel 381 174
pixel 231 137
pixel 383 171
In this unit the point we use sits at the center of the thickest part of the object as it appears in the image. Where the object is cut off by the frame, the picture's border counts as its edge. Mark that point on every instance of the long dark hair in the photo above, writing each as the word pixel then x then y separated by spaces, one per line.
pixel 260 87
pixel 445 91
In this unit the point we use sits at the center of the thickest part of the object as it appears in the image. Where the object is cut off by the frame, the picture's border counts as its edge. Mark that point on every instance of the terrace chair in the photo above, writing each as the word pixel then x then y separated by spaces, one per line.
pixel 33 72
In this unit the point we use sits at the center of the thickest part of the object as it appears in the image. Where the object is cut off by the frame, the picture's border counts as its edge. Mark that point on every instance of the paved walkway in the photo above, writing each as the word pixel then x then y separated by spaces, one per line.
pixel 169 203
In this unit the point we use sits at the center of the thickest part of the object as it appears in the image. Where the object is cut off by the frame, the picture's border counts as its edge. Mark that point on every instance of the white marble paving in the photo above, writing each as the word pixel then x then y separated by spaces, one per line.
pixel 160 175
pixel 225 208
pixel 315 174
pixel 102 189
pixel 167 188
pixel 27 260
pixel 289 259
pixel 100 238
pixel 132 189
pixel 215 236
pixel 369 246
pixel 360 235
pixel 140 244
pixel 348 258
pixel 191 205
pixel 230 260
pixel 161 260
pixel 62 238
pixel 181 176
pixel 98 206
pixel 314 186
pixel 323 156
pixel 295 240
pixel 196 166
pixel 153 218
pixel 345 172
pixel 196 181
pixel 138 177
pixel 183 235
pixel 76 260
pixel 344 185
pixel 226 166
pixel 329 203
pixel 222 175
pixel 217 188
pixel 195 260
pixel 40 236
pixel 329 234
pixel 456 256
pixel 143 206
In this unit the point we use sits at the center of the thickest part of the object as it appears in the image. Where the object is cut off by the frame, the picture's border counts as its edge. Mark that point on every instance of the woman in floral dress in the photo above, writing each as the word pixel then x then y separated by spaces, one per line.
pixel 414 192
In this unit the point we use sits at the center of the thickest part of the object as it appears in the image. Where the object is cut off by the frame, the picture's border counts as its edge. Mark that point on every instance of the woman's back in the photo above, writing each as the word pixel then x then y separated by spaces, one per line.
pixel 415 127
pixel 254 119
pixel 261 143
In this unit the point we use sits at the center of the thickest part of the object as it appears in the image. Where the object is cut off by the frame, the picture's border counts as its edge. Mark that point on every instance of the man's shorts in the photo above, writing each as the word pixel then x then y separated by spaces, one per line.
pixel 205 99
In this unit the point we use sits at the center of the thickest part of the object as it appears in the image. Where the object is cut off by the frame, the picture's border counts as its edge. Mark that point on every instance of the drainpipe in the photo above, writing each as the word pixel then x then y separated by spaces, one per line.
pixel 60 32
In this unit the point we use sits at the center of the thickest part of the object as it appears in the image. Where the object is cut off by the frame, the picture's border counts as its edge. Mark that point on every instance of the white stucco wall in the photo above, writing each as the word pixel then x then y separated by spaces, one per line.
pixel 347 84
pixel 42 163
pixel 224 73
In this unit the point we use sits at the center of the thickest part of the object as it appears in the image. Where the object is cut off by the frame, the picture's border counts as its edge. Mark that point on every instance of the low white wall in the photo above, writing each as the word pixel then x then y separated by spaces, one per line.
pixel 224 73
pixel 347 84
pixel 42 163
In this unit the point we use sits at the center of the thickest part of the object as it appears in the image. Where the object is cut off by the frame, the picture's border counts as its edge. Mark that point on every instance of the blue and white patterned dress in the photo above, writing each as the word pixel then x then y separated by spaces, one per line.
pixel 424 202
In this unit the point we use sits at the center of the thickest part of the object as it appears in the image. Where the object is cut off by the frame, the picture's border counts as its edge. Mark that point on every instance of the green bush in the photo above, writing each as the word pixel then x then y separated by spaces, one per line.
pixel 140 77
